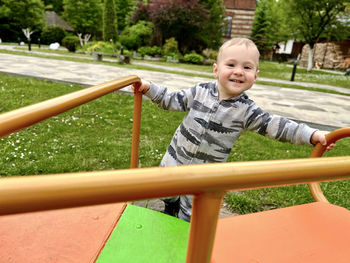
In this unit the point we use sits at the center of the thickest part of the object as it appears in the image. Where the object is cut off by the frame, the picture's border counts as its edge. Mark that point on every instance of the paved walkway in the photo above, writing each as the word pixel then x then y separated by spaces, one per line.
pixel 322 110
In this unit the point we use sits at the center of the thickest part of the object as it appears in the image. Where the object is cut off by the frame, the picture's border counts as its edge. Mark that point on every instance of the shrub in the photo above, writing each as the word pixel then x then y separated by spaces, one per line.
pixel 170 46
pixel 193 58
pixel 101 46
pixel 52 34
pixel 137 35
pixel 150 51
pixel 71 43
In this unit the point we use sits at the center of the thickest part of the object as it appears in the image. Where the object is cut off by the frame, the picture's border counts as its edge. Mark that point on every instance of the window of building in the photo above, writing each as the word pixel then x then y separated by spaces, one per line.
pixel 227 26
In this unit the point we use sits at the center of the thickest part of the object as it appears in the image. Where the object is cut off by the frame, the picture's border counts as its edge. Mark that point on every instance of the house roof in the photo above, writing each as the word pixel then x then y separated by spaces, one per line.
pixel 53 19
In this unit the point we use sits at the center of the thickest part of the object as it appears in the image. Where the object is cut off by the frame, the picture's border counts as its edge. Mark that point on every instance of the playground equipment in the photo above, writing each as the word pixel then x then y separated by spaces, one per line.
pixel 119 232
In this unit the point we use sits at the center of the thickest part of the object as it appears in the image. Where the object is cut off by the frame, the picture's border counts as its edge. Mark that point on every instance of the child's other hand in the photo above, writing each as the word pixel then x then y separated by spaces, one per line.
pixel 320 137
pixel 144 87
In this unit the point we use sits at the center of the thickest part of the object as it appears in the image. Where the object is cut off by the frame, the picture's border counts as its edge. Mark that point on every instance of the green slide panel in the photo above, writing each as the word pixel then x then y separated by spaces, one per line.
pixel 144 235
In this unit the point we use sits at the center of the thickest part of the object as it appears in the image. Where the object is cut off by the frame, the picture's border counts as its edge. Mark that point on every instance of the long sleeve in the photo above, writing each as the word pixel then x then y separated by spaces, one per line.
pixel 174 101
pixel 277 127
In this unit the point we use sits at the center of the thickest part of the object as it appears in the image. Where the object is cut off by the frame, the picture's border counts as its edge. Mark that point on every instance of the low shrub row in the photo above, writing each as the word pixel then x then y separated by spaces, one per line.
pixel 144 52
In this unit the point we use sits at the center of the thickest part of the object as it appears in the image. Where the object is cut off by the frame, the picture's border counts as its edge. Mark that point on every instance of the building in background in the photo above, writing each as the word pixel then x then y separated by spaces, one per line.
pixel 239 16
pixel 53 19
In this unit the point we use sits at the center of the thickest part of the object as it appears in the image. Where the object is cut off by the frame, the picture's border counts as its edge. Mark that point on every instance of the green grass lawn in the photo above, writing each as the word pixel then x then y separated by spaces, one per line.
pixel 96 136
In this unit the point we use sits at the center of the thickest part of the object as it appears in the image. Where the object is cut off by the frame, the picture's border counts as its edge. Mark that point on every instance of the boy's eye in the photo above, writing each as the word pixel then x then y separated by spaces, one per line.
pixel 248 67
pixel 231 65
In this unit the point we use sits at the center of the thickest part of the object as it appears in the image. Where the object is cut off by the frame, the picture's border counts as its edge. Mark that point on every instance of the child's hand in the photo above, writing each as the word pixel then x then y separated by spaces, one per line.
pixel 319 137
pixel 144 87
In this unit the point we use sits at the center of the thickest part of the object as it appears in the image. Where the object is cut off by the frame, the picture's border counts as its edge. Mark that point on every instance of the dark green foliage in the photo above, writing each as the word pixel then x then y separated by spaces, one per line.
pixel 194 25
pixel 54 5
pixel 184 21
pixel 71 43
pixel 85 16
pixel 212 34
pixel 261 32
pixel 137 35
pixel 17 15
pixel 52 34
pixel 194 58
pixel 123 9
pixel 110 24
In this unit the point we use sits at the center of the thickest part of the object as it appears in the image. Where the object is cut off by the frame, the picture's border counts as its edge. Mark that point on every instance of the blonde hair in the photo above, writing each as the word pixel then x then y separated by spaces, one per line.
pixel 236 41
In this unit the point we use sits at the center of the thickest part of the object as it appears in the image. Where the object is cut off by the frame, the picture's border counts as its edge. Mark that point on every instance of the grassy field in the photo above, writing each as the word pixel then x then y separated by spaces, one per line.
pixel 96 136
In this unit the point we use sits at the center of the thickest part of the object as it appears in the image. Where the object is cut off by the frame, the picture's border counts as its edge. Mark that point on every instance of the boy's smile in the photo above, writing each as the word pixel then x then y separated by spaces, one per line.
pixel 236 70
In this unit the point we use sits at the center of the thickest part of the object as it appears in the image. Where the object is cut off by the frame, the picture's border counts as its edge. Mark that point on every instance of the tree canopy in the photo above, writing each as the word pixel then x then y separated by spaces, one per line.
pixel 124 10
pixel 24 13
pixel 309 21
pixel 85 16
pixel 195 25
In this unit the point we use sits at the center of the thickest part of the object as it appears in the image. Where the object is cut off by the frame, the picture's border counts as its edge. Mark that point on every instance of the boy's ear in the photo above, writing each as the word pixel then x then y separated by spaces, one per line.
pixel 215 70
pixel 256 75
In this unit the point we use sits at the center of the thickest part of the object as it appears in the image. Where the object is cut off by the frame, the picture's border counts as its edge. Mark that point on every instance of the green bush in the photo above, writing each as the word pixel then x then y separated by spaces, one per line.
pixel 170 47
pixel 71 43
pixel 101 46
pixel 52 34
pixel 193 58
pixel 137 35
pixel 150 51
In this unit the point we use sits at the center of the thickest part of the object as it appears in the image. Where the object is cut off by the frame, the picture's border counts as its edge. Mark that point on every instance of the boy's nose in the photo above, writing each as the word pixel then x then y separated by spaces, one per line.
pixel 237 71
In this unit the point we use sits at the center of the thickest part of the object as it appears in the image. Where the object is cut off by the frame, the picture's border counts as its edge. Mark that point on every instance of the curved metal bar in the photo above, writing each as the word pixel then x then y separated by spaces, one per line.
pixel 21 118
pixel 318 151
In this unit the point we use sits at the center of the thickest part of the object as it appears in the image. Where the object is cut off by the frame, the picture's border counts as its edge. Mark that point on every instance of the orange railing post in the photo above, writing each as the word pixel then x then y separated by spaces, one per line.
pixel 205 214
pixel 136 125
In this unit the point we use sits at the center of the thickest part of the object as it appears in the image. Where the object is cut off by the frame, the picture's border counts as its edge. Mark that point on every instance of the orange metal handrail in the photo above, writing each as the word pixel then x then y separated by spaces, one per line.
pixel 318 151
pixel 207 182
pixel 24 117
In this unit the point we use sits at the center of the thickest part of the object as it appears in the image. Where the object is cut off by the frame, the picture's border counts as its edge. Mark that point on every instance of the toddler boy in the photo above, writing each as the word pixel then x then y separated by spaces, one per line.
pixel 218 113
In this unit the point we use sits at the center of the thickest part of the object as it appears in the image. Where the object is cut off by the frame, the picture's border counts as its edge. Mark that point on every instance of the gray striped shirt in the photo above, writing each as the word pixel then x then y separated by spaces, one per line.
pixel 210 128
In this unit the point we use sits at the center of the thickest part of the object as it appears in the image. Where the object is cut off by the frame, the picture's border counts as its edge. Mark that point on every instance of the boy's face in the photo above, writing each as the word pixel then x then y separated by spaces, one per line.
pixel 236 70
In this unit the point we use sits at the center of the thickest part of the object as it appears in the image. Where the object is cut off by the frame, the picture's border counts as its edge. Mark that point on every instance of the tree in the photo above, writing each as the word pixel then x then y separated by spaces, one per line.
pixel 213 33
pixel 123 10
pixel 137 35
pixel 195 25
pixel 110 26
pixel 54 5
pixel 312 20
pixel 5 24
pixel 262 24
pixel 84 15
pixel 25 15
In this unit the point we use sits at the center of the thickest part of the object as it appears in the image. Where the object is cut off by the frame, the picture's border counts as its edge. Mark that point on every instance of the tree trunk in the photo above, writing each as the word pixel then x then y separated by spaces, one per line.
pixel 310 59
